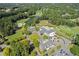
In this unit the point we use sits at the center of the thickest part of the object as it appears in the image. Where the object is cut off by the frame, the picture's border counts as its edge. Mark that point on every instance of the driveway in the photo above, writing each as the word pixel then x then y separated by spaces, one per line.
pixel 63 51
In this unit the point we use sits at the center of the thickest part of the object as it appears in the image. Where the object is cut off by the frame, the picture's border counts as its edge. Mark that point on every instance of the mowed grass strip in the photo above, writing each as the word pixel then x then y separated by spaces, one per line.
pixel 44 23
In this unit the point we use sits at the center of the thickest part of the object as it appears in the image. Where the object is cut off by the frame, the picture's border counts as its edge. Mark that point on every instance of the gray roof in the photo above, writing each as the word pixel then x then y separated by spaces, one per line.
pixel 44 44
pixel 44 30
pixel 49 31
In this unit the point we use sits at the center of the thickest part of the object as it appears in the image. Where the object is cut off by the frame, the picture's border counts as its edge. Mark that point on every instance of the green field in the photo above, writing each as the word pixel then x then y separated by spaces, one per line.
pixel 66 31
pixel 17 36
pixel 44 23
pixel 34 38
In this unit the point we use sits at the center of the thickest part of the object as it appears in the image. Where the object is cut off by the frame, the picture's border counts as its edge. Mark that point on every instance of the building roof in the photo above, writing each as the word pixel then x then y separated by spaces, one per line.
pixel 45 30
pixel 46 44
pixel 49 31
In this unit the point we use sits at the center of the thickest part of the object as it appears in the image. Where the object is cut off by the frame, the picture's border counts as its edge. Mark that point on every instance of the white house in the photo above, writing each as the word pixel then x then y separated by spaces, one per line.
pixel 47 44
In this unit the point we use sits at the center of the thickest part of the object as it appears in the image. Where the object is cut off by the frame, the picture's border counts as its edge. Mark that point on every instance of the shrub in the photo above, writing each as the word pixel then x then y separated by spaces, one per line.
pixel 6 51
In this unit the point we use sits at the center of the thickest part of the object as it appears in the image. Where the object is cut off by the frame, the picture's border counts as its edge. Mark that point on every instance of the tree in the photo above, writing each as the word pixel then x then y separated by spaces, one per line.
pixel 6 51
pixel 25 42
pixel 20 48
pixel 76 39
pixel 75 50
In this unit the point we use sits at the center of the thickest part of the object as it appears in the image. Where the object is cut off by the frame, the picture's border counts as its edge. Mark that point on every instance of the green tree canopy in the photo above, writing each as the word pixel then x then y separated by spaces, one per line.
pixel 20 48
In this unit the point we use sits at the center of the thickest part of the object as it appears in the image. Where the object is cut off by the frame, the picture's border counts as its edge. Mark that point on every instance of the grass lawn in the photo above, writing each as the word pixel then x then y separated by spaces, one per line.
pixel 17 36
pixel 44 23
pixel 66 31
pixel 45 36
pixel 34 38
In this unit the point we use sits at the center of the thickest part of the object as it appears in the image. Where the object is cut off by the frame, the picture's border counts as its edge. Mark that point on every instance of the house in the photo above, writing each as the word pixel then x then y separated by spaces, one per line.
pixel 46 44
pixel 48 32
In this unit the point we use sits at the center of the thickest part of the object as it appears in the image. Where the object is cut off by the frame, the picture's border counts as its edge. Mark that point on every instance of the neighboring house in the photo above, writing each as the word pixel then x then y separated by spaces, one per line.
pixel 48 32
